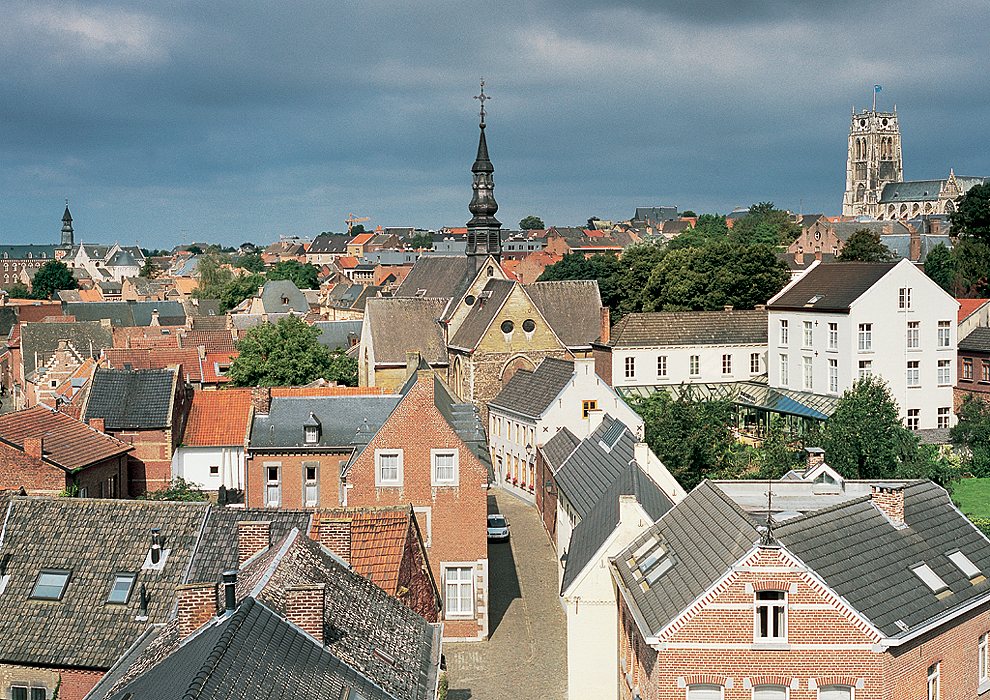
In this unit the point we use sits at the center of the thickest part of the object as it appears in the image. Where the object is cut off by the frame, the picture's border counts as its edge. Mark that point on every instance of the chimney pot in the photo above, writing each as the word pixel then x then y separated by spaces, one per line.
pixel 230 590
pixel 889 498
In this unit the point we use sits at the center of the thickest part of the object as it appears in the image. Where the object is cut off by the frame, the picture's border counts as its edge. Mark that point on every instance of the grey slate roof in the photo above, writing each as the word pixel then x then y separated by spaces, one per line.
pixel 530 393
pixel 479 318
pixel 442 276
pixel 590 470
pixel 666 328
pixel 243 322
pixel 977 340
pixel 131 398
pixel 571 307
pixel 27 252
pixel 128 313
pixel 557 449
pixel 341 418
pixel 865 559
pixel 900 244
pixel 592 532
pixel 274 291
pixel 122 258
pixel 338 334
pixel 400 325
pixel 94 539
pixel 330 244
pixel 838 284
pixel 42 338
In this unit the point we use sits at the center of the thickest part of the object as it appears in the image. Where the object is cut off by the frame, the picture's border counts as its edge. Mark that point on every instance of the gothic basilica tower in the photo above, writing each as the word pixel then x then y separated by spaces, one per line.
pixel 874 161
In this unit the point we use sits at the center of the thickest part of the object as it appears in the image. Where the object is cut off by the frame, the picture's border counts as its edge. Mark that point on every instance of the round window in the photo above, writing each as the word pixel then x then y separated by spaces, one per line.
pixel 862 123
pixel 528 325
pixel 507 326
pixel 469 300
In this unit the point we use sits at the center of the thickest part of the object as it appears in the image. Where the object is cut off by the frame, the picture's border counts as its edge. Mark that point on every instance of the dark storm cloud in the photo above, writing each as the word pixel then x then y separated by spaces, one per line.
pixel 242 119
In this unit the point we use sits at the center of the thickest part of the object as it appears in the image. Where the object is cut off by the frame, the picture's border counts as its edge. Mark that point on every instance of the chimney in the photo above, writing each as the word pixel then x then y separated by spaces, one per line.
pixel 628 509
pixel 935 227
pixel 818 254
pixel 799 256
pixel 261 398
pixel 229 590
pixel 594 420
pixel 304 608
pixel 606 326
pixel 641 451
pixel 915 253
pixel 253 536
pixel 99 424
pixel 889 498
pixel 412 363
pixel 728 307
pixel 33 446
pixel 816 456
pixel 154 318
pixel 197 605
pixel 335 535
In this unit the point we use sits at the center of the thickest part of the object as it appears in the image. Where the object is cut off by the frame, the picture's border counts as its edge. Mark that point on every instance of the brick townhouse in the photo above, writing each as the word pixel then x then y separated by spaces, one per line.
pixel 857 590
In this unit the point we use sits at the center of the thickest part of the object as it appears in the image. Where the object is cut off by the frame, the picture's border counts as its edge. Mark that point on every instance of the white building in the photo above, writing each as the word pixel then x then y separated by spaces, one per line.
pixel 683 347
pixel 533 406
pixel 212 451
pixel 842 321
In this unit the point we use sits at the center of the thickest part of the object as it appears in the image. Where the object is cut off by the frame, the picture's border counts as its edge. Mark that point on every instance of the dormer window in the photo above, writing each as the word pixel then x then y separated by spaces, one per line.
pixel 51 584
pixel 311 429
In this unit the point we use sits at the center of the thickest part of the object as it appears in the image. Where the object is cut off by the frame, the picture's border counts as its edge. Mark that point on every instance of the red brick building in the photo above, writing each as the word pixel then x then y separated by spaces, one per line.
pixel 878 595
pixel 46 452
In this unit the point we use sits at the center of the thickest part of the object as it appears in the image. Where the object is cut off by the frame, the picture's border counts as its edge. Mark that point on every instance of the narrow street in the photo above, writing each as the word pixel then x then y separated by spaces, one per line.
pixel 525 657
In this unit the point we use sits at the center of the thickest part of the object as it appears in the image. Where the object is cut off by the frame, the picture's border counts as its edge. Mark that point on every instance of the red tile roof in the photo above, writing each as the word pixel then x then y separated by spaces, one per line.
pixel 968 306
pixel 66 441
pixel 328 391
pixel 213 341
pixel 157 358
pixel 361 238
pixel 218 417
pixel 378 539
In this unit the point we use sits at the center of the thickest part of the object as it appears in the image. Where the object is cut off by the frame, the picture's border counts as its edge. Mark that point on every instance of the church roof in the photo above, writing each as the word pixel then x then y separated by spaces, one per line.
pixel 572 308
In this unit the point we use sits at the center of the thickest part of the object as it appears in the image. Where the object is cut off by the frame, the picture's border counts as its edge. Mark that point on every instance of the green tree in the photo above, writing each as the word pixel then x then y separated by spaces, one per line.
pixel 253 262
pixel 149 270
pixel 940 267
pixel 688 214
pixel 288 354
pixel 178 490
pixel 214 249
pixel 531 223
pixel 971 256
pixel 421 241
pixel 972 215
pixel 691 438
pixel 972 435
pixel 51 277
pixel 630 278
pixel 864 245
pixel 356 229
pixel 19 290
pixel 574 266
pixel 303 275
pixel 764 225
pixel 709 229
pixel 864 438
pixel 214 272
pixel 238 289
pixel 194 250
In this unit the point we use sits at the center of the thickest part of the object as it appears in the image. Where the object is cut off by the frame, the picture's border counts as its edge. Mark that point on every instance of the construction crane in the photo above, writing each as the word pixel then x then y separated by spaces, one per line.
pixel 351 220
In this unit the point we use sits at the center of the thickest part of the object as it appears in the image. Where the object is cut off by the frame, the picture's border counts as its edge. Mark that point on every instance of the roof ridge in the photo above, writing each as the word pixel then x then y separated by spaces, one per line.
pixel 219 649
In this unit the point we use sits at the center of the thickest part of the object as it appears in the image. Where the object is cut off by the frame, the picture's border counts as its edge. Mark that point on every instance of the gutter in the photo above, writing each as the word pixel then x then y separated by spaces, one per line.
pixel 937 621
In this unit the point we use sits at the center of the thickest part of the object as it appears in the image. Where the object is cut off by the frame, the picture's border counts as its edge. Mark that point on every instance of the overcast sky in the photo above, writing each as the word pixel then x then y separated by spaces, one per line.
pixel 243 120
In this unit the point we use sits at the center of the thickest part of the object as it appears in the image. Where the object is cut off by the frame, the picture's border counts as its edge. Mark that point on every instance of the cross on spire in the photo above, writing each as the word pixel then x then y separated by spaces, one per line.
pixel 482 98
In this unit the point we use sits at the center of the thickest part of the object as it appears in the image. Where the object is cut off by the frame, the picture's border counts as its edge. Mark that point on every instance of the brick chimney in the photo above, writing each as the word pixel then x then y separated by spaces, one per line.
pixel 889 498
pixel 197 605
pixel 261 398
pixel 99 424
pixel 816 456
pixel 412 362
pixel 915 252
pixel 253 536
pixel 34 446
pixel 304 607
pixel 335 535
pixel 606 325
pixel 799 256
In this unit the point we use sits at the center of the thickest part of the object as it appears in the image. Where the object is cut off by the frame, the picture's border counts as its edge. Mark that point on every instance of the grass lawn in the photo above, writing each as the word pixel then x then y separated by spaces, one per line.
pixel 973 495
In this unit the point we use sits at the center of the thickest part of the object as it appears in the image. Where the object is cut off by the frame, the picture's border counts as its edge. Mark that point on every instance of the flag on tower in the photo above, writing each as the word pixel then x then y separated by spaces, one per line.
pixel 876 89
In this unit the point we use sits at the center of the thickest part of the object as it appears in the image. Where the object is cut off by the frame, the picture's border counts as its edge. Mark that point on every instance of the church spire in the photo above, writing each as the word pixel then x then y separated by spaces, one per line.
pixel 483 235
pixel 67 226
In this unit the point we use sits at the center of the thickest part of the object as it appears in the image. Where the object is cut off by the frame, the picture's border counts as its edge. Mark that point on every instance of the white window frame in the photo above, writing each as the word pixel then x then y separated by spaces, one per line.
pixel 757 688
pixel 312 434
pixel 308 485
pixel 435 479
pixel 703 686
pixel 833 376
pixel 865 368
pixel 783 332
pixel 809 373
pixel 914 373
pixel 913 419
pixel 379 480
pixel 450 608
pixel 783 370
pixel 273 488
pixel 866 337
pixel 944 417
pixel 850 688
pixel 983 673
pixel 726 364
pixel 944 334
pixel 661 365
pixel 944 372
pixel 809 337
pixel 769 605
pixel 913 335
pixel 833 336
pixel 695 365
pixel 754 363
pixel 935 681
pixel 424 517
pixel 629 365
pixel 904 298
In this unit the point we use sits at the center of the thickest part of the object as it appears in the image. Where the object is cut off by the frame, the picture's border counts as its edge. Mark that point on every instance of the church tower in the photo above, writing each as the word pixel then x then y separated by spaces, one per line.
pixel 874 161
pixel 67 228
pixel 483 230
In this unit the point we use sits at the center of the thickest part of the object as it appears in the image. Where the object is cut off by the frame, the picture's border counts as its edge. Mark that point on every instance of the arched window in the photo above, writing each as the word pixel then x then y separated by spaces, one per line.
pixel 704 691
pixel 835 692
pixel 769 692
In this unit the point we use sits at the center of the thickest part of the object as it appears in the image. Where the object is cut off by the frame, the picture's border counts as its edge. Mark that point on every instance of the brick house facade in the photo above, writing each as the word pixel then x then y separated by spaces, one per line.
pixel 417 457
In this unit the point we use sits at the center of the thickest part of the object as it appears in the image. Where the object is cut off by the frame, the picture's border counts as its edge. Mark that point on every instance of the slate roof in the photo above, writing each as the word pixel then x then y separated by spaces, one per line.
pixel 900 244
pixel 838 285
pixel 399 325
pixel 274 291
pixel 243 322
pixel 911 191
pixel 338 334
pixel 94 539
pixel 42 338
pixel 67 442
pixel 138 398
pixel 977 340
pixel 557 449
pixel 341 417
pixel 571 307
pixel 329 243
pixel 128 313
pixel 442 276
pixel 667 328
pixel 218 418
pixel 479 318
pixel 590 470
pixel 594 530
pixel 530 393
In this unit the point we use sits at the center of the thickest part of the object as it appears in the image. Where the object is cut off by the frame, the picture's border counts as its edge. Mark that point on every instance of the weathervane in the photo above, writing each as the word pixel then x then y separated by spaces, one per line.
pixel 768 535
pixel 482 97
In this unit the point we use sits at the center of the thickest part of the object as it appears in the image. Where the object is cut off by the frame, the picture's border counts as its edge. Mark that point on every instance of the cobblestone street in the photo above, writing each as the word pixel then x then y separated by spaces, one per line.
pixel 525 657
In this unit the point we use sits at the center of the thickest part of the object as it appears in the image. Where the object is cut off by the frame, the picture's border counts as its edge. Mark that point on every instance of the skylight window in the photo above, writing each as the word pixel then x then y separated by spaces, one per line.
pixel 815 299
pixel 968 568
pixel 929 577
pixel 649 562
pixel 51 584
pixel 120 592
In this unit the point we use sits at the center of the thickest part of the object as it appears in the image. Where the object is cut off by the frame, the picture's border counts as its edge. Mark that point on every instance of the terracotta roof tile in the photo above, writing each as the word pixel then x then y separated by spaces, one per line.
pixel 157 358
pixel 968 306
pixel 378 539
pixel 66 441
pixel 328 391
pixel 218 418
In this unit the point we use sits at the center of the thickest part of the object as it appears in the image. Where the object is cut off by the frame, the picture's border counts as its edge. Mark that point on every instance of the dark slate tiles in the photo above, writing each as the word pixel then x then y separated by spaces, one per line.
pixel 137 398
pixel 531 393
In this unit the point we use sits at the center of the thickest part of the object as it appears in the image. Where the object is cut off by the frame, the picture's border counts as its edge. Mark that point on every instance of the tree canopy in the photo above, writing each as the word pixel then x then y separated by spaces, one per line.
pixel 421 241
pixel 214 272
pixel 303 275
pixel 864 245
pixel 764 225
pixel 940 268
pixel 252 262
pixel 972 215
pixel 972 432
pixel 531 223
pixel 149 270
pixel 51 277
pixel 707 230
pixel 288 354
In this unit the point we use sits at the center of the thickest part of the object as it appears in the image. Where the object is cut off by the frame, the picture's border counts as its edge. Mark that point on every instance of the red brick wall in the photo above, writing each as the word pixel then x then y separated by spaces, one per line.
pixel 76 683
pixel 458 512
pixel 304 608
pixel 292 478
pixel 603 364
pixel 97 476
pixel 18 468
pixel 197 605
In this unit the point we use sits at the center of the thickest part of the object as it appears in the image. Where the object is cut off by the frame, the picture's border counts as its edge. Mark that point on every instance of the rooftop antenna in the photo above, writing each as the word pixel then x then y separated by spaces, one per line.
pixel 482 98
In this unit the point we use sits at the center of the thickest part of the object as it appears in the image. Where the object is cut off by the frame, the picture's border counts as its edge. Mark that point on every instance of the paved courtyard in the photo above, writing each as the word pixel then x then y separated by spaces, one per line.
pixel 525 656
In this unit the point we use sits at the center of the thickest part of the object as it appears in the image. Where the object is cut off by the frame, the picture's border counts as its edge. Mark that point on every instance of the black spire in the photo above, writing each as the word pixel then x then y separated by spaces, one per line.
pixel 67 226
pixel 483 237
